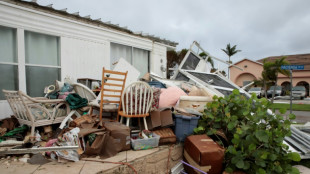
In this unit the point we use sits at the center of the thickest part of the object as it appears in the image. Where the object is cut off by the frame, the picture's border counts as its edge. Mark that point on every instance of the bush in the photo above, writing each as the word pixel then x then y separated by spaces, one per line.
pixel 255 138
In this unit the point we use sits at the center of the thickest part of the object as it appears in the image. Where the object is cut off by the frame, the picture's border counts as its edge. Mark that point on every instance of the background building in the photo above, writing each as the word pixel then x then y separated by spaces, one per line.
pixel 253 70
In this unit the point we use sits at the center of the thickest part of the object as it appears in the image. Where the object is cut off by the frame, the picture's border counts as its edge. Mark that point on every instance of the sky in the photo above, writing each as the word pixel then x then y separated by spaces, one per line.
pixel 259 28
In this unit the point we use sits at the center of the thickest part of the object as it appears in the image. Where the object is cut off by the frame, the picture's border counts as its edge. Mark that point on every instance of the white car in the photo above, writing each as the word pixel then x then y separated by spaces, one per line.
pixel 258 91
pixel 299 91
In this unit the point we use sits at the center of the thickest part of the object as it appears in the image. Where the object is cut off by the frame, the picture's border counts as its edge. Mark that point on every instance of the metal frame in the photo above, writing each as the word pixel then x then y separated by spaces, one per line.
pixel 201 59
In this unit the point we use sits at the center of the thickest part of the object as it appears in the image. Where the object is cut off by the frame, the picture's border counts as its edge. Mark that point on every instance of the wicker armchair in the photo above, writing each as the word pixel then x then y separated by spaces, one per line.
pixel 36 112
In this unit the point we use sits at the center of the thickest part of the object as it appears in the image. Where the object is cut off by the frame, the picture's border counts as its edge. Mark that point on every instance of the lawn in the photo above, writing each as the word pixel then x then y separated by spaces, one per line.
pixel 295 107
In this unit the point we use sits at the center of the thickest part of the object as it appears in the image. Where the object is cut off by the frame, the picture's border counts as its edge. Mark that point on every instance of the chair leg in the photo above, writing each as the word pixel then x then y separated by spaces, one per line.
pixel 121 121
pixel 127 123
pixel 32 139
pixel 68 117
pixel 145 125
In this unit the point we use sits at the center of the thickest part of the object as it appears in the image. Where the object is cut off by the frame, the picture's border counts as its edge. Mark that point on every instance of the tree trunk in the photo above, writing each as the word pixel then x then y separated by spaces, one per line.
pixel 265 87
pixel 274 89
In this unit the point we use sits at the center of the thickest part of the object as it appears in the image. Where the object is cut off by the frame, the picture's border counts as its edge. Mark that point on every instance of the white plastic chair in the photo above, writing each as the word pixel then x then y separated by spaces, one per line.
pixel 136 102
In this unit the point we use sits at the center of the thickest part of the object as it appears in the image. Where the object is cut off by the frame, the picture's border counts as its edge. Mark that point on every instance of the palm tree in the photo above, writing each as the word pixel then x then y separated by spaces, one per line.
pixel 272 69
pixel 230 51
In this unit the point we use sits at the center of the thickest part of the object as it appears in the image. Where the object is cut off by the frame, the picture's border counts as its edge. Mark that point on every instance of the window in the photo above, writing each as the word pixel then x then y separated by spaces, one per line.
pixel 139 58
pixel 42 62
pixel 246 83
pixel 8 60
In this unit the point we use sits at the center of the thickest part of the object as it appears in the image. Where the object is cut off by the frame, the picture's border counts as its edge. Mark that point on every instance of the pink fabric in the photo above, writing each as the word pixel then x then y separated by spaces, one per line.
pixel 49 144
pixel 170 96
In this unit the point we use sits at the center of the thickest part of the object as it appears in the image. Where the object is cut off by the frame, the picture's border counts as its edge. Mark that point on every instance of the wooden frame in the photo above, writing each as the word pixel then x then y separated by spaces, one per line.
pixel 140 96
pixel 112 92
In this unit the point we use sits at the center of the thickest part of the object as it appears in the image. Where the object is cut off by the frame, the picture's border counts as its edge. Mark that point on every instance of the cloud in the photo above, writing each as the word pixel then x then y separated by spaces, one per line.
pixel 259 28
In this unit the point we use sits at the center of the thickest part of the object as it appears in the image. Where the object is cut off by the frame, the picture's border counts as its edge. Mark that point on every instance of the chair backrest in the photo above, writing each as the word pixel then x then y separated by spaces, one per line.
pixel 137 98
pixel 18 102
pixel 113 83
pixel 84 91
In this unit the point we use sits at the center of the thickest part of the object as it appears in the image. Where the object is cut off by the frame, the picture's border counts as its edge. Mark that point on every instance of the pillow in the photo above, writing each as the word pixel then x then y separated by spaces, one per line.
pixel 170 96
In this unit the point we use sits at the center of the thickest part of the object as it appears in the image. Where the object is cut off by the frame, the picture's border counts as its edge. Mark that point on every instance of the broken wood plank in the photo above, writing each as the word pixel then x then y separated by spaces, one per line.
pixel 36 150
pixel 11 143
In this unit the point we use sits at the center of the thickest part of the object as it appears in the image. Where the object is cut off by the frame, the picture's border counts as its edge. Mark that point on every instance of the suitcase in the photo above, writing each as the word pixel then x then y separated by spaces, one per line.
pixel 166 136
pixel 203 153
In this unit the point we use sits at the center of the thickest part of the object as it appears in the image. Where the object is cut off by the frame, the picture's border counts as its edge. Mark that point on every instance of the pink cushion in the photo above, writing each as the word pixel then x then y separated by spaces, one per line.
pixel 170 96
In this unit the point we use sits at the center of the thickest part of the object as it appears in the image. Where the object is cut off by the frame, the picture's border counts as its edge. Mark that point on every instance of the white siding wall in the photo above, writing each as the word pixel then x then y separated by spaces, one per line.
pixel 85 49
pixel 158 59
pixel 83 59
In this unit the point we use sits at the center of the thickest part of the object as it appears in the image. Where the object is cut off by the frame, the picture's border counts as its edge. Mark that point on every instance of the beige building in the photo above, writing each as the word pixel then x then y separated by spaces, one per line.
pixel 252 70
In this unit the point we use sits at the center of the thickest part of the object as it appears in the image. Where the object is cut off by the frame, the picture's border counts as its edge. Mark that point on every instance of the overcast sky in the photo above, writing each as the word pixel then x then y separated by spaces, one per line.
pixel 259 28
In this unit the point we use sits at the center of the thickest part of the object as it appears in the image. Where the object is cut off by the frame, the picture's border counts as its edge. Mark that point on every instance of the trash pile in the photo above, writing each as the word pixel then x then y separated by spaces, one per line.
pixel 74 128
pixel 299 140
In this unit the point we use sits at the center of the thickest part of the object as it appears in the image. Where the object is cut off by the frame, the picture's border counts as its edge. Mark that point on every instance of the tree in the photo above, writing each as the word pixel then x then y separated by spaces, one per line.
pixel 272 70
pixel 174 58
pixel 230 51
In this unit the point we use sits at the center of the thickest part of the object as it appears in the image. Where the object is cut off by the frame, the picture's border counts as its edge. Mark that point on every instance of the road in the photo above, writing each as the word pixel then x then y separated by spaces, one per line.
pixel 301 116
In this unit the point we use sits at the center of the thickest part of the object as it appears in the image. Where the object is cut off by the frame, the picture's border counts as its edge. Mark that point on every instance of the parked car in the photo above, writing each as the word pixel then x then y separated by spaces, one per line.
pixel 299 91
pixel 278 92
pixel 258 91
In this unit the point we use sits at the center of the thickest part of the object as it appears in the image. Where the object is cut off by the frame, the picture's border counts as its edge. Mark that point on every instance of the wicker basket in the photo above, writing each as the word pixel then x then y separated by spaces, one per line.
pixel 166 136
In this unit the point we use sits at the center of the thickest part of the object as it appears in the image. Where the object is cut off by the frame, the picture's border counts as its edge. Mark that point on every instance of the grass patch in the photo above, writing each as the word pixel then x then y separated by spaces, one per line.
pixel 295 107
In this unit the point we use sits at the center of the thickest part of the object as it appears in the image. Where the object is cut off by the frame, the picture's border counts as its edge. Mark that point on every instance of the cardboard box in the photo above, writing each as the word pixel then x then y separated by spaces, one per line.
pixel 153 120
pixel 202 152
pixel 166 117
pixel 119 132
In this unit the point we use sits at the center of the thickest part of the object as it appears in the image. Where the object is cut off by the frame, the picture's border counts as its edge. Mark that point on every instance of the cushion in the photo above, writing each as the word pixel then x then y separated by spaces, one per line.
pixel 170 96
pixel 155 102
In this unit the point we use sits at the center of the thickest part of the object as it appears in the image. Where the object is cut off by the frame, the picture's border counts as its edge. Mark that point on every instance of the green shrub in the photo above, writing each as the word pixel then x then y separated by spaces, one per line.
pixel 255 138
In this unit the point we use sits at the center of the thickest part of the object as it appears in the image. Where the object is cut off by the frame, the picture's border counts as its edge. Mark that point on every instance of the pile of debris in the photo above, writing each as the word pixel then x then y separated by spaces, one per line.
pixel 299 141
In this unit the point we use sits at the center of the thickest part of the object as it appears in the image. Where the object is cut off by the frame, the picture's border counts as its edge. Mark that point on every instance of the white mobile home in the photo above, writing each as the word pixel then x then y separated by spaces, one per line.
pixel 39 44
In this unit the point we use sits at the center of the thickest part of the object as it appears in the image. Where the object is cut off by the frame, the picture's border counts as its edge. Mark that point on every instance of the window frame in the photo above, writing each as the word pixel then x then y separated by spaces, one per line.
pixel 132 57
pixel 21 56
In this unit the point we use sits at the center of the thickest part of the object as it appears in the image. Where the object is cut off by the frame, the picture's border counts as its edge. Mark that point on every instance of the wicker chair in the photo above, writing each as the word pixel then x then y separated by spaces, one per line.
pixel 36 112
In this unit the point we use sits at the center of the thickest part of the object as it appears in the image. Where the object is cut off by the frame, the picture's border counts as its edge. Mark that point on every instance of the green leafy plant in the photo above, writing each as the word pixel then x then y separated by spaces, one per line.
pixel 254 137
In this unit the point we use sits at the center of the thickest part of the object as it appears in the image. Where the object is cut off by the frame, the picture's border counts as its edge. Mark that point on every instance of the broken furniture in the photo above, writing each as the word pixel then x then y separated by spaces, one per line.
pixel 36 112
pixel 88 82
pixel 10 151
pixel 136 102
pixel 194 102
pixel 113 83
pixel 84 92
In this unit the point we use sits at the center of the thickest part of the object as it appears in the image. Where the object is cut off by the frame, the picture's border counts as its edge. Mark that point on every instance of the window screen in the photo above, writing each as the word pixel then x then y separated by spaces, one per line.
pixel 42 51
pixel 8 60
pixel 191 62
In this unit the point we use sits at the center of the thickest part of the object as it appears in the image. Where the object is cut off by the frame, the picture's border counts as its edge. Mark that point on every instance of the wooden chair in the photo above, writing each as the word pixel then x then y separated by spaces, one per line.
pixel 111 89
pixel 36 112
pixel 136 102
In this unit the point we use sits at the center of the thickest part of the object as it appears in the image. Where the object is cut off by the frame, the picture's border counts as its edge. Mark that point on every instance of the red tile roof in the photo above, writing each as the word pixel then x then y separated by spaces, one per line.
pixel 298 59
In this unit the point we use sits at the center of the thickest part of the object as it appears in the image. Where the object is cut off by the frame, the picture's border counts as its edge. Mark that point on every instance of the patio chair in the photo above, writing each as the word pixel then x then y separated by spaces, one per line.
pixel 36 112
pixel 136 102
pixel 84 92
